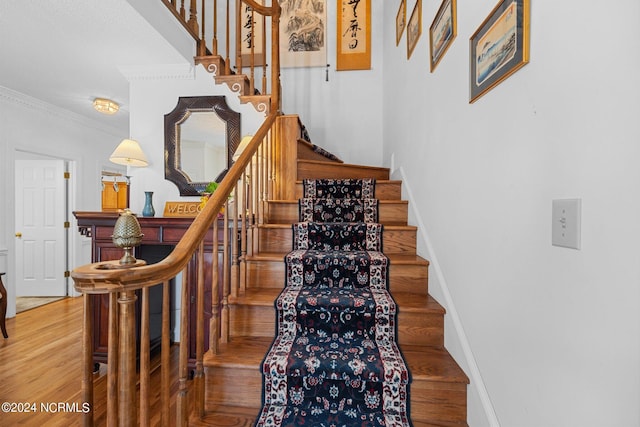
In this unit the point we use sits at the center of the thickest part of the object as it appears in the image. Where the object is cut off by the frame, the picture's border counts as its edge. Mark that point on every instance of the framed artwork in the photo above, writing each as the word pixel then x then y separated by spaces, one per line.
pixel 353 35
pixel 499 47
pixel 303 29
pixel 442 32
pixel 401 20
pixel 414 28
pixel 251 35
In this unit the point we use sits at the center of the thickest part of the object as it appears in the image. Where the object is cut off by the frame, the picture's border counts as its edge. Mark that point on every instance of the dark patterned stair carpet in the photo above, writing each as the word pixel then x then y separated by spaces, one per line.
pixel 339 188
pixel 338 210
pixel 335 359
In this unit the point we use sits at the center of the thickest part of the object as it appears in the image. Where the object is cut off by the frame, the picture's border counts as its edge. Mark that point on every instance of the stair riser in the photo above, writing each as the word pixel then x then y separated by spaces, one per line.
pixel 252 321
pixel 402 277
pixel 385 190
pixel 413 328
pixel 321 170
pixel 437 401
pixel 389 213
pixel 233 386
pixel 394 241
pixel 420 328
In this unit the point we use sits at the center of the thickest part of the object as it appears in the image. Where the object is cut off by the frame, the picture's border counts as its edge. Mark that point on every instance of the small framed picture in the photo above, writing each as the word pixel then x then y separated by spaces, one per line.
pixel 499 47
pixel 414 28
pixel 442 32
pixel 401 20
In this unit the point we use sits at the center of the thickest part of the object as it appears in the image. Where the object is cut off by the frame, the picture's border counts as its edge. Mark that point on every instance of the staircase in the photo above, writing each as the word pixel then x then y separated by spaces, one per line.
pixel 227 384
pixel 233 378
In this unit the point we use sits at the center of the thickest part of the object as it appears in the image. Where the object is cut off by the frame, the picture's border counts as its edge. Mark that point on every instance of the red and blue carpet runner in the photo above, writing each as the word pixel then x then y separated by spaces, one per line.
pixel 335 361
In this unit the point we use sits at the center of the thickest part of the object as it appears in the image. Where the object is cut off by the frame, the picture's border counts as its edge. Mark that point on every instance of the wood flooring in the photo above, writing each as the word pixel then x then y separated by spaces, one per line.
pixel 40 371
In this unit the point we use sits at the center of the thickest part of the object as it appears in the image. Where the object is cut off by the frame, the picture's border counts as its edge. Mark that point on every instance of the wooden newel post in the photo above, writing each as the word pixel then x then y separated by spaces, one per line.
pixel 127 360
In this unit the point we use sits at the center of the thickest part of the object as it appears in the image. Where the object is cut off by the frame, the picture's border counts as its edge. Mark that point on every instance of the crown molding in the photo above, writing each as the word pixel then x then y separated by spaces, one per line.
pixel 12 97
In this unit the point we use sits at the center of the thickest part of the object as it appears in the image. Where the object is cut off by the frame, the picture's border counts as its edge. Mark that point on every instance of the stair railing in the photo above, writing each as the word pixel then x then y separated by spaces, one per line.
pixel 243 193
pixel 248 44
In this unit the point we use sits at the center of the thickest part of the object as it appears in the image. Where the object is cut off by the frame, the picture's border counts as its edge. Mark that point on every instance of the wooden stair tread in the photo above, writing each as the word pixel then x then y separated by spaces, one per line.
pixel 386 189
pixel 386 227
pixel 257 296
pixel 323 169
pixel 407 301
pixel 390 211
pixel 241 352
pixel 395 259
pixel 347 165
pixel 438 424
pixel 433 364
pixel 225 416
pixel 378 181
pixel 426 363
pixel 414 302
pixel 381 201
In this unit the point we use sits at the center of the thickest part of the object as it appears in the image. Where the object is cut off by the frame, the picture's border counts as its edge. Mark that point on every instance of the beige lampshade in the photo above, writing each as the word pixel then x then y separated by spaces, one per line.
pixel 129 153
pixel 243 145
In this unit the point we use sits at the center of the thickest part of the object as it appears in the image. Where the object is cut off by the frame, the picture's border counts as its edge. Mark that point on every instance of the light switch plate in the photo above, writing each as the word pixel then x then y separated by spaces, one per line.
pixel 566 223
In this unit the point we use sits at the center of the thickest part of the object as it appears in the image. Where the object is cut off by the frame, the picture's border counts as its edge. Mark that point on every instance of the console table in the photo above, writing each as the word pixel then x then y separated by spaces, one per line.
pixel 161 234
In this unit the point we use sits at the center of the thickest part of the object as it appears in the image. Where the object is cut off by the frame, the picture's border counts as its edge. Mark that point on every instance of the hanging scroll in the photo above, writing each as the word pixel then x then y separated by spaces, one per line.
pixel 251 35
pixel 303 28
pixel 354 35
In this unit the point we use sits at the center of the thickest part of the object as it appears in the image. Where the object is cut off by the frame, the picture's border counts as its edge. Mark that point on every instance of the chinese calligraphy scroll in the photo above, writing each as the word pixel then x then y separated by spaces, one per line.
pixel 251 36
pixel 354 35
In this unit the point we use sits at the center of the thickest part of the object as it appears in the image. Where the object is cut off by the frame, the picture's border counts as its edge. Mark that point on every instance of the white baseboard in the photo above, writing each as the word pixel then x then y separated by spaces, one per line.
pixel 434 266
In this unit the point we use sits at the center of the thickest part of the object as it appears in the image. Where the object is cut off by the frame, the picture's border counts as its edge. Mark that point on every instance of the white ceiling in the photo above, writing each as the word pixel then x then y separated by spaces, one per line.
pixel 68 52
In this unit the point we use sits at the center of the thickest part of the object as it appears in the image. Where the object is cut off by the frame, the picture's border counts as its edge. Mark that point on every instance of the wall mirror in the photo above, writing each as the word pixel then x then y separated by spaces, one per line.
pixel 200 136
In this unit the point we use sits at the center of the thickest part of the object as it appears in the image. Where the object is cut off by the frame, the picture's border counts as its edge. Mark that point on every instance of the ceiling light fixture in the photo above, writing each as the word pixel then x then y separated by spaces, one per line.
pixel 105 106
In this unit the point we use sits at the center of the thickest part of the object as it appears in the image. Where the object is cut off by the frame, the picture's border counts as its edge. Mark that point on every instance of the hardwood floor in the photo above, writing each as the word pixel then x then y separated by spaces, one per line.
pixel 40 368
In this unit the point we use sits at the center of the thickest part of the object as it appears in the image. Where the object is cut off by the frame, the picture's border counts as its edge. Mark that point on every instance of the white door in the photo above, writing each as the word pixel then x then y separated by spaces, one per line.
pixel 40 212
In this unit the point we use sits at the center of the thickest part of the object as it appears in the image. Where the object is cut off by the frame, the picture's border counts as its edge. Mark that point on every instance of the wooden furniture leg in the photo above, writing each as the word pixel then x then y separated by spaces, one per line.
pixel 3 308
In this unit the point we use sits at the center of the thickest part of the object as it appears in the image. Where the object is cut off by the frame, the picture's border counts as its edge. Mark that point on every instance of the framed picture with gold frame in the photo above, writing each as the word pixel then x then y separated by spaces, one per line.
pixel 353 35
pixel 414 28
pixel 499 47
pixel 401 20
pixel 442 32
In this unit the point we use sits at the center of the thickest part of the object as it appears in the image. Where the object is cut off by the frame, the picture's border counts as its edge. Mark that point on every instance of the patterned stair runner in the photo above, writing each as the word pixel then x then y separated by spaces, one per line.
pixel 335 360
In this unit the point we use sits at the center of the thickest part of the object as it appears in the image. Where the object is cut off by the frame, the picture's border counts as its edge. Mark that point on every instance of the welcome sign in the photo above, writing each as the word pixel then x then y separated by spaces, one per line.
pixel 181 209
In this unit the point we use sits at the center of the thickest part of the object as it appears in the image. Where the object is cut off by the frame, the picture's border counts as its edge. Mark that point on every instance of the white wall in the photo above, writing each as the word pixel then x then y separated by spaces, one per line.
pixel 33 129
pixel 553 332
pixel 343 115
pixel 154 93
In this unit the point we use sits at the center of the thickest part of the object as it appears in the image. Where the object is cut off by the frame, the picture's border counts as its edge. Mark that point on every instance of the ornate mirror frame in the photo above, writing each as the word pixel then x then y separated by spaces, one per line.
pixel 185 106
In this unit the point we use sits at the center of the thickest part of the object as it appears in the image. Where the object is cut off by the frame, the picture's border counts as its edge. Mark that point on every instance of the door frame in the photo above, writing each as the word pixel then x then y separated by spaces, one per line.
pixel 71 193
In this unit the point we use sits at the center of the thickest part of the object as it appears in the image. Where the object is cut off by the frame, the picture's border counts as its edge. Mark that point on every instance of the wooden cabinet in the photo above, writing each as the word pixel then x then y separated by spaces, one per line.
pixel 115 195
pixel 161 234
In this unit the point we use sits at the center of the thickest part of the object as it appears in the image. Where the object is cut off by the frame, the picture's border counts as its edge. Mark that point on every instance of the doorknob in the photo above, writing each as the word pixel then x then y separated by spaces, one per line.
pixel 18 235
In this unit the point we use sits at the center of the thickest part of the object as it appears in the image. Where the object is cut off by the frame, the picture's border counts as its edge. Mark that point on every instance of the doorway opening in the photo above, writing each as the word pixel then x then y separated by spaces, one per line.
pixel 41 218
